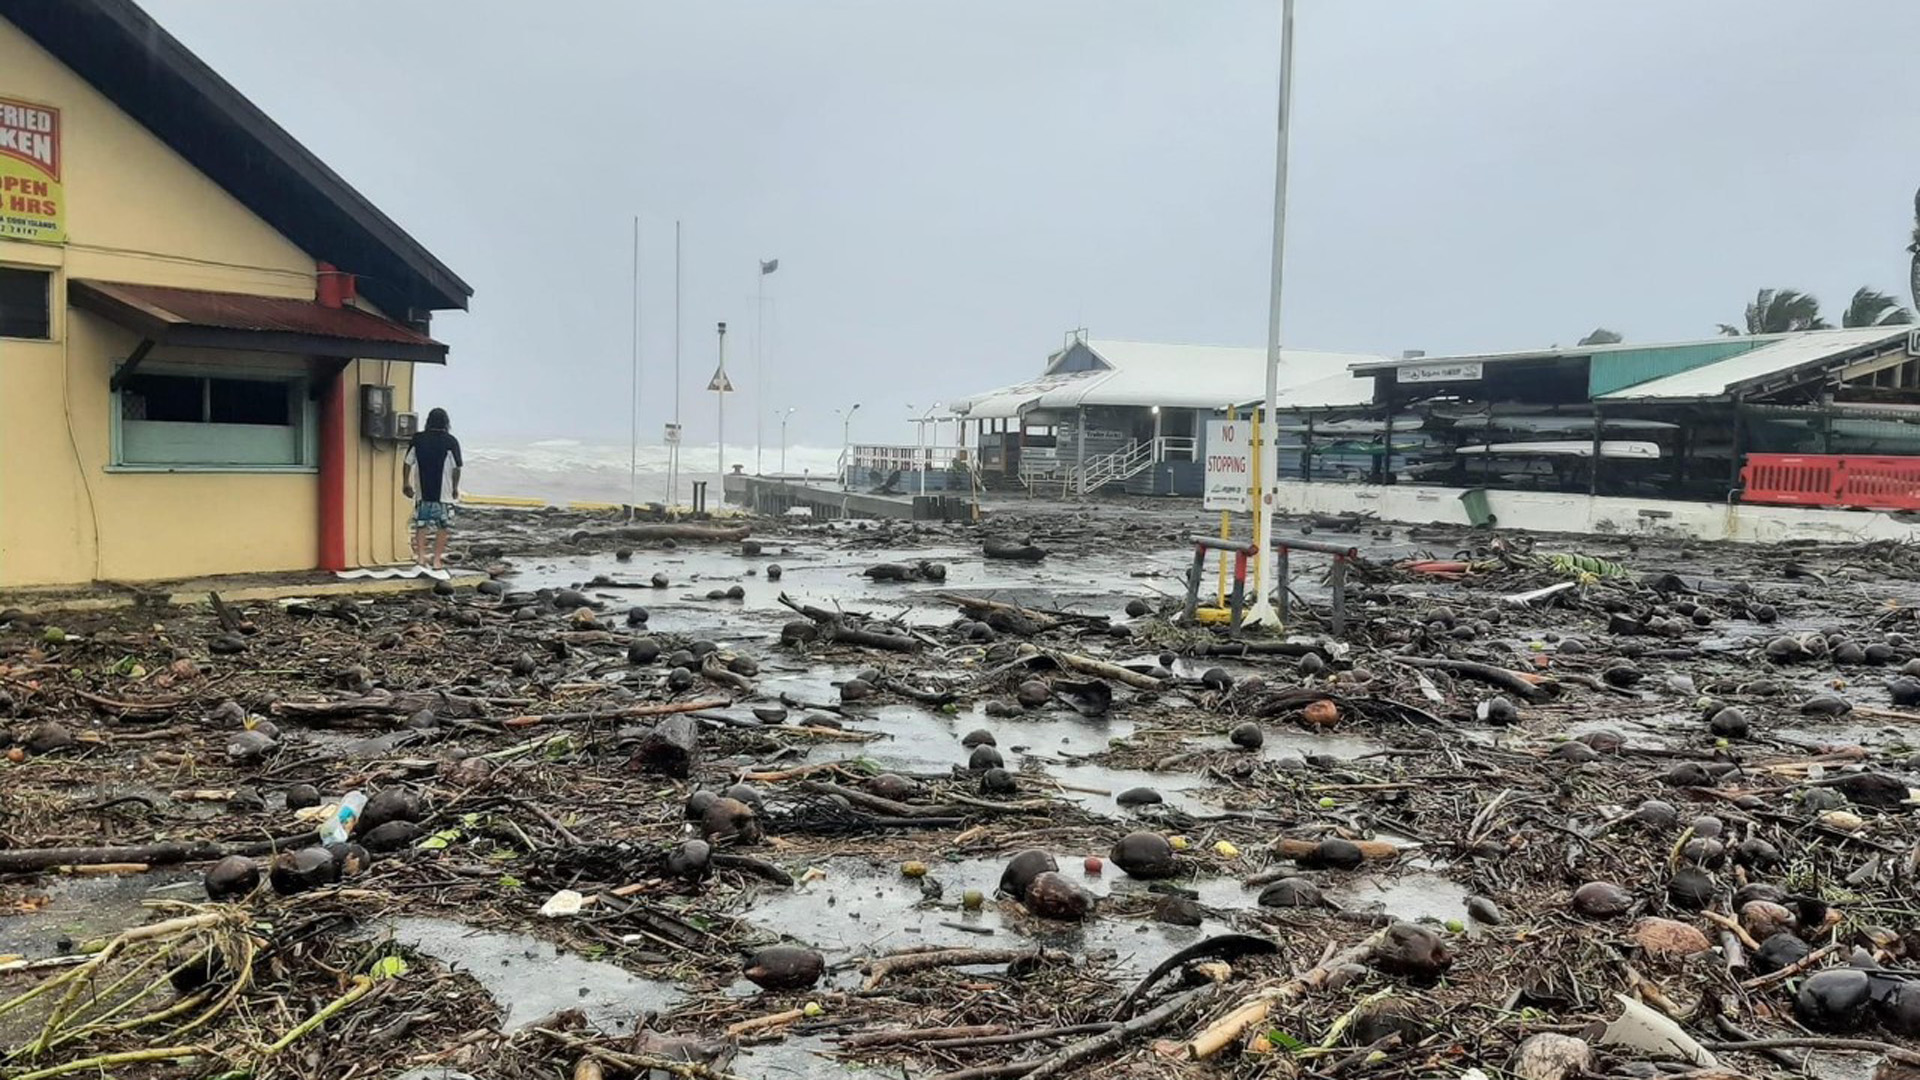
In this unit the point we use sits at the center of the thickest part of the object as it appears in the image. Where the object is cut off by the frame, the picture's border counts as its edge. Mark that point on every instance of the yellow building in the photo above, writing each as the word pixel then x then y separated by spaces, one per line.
pixel 187 385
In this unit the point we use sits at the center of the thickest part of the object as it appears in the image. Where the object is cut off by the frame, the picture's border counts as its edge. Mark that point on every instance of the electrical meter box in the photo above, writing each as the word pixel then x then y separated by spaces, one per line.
pixel 376 412
pixel 406 425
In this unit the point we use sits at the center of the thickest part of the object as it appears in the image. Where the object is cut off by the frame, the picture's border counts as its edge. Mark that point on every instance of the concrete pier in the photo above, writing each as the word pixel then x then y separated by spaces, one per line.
pixel 777 495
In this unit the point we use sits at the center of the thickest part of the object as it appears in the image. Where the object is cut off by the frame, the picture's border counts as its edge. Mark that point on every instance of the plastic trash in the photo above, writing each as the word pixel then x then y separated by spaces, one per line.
pixel 340 822
pixel 565 902
pixel 1643 1029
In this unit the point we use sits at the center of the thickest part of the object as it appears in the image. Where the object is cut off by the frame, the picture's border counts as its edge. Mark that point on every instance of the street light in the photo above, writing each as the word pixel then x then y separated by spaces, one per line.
pixel 846 424
pixel 784 417
pixel 922 451
pixel 1262 612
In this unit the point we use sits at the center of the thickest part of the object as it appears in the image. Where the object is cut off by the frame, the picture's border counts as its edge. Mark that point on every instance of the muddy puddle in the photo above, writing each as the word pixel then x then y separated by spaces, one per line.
pixel 49 921
pixel 530 978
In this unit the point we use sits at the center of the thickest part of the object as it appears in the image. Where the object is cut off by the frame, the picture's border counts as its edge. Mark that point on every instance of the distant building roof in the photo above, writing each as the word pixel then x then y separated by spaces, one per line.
pixel 1782 356
pixel 1106 372
pixel 152 77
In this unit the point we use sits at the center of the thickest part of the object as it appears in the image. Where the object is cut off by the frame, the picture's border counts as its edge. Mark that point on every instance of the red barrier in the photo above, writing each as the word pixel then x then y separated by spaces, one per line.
pixel 1857 482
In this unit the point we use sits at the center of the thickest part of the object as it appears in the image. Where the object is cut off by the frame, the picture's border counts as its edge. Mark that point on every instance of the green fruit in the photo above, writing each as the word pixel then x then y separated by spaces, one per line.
pixel 1455 926
pixel 1326 802
pixel 53 635
pixel 972 899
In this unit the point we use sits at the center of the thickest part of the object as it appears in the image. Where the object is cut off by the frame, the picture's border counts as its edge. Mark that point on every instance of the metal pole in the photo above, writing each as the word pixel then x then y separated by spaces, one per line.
pixel 1262 611
pixel 720 444
pixel 633 391
pixel 673 449
pixel 759 367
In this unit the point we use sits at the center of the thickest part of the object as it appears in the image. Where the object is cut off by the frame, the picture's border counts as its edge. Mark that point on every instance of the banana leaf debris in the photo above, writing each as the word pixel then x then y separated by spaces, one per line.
pixel 775 798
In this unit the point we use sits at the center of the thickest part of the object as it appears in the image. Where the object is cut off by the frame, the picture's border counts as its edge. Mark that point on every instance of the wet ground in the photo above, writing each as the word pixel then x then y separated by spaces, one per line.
pixel 535 786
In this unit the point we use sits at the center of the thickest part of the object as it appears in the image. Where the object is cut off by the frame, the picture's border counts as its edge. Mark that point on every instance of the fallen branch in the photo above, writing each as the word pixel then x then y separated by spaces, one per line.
pixel 920 1035
pixel 1087 665
pixel 1228 1029
pixel 906 963
pixel 627 712
pixel 869 801
pixel 1171 1011
pixel 1529 687
pixel 835 629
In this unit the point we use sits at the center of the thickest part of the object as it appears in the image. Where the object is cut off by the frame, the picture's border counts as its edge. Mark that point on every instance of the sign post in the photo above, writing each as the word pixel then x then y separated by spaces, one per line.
pixel 721 387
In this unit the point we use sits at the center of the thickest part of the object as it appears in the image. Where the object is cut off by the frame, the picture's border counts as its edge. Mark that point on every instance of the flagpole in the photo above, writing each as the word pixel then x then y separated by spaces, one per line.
pixel 720 392
pixel 1262 612
pixel 759 367
pixel 633 393
pixel 673 448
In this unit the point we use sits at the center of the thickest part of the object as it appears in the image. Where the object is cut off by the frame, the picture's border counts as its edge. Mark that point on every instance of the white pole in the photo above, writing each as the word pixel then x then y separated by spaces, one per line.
pixel 720 391
pixel 1262 611
pixel 633 392
pixel 784 417
pixel 673 448
pixel 759 367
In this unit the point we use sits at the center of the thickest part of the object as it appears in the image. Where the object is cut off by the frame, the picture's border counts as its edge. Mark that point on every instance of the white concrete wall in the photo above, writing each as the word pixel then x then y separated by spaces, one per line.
pixel 1550 512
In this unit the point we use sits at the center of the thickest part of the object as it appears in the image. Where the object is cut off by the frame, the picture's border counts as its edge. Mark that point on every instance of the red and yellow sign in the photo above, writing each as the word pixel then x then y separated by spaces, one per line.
pixel 33 205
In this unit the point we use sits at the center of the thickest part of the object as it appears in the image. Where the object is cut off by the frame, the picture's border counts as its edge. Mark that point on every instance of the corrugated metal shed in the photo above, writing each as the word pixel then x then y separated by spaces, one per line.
pixel 1616 370
pixel 1780 356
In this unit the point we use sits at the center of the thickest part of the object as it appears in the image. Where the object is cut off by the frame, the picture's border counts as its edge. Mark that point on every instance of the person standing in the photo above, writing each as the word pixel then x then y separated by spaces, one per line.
pixel 435 455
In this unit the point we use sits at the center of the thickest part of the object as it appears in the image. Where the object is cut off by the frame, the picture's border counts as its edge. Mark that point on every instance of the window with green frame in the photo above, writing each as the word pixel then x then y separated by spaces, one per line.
pixel 188 419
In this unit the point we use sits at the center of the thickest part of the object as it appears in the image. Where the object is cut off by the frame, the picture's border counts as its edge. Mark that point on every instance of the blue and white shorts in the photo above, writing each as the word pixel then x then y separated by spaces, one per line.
pixel 433 515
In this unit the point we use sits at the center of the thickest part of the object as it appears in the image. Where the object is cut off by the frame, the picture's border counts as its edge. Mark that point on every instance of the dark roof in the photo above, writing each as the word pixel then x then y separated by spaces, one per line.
pixel 153 78
pixel 224 320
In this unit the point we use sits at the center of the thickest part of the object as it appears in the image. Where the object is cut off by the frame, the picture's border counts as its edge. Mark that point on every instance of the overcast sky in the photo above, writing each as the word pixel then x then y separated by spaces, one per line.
pixel 950 187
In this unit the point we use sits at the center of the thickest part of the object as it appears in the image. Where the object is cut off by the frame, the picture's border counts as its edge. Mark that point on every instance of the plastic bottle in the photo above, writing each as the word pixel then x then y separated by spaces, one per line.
pixel 340 824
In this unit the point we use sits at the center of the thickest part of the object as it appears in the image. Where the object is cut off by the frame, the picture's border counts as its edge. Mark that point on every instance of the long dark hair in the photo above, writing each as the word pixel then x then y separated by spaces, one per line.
pixel 437 420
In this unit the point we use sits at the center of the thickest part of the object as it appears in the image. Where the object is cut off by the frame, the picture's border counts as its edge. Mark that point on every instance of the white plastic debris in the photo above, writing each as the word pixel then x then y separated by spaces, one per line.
pixel 563 903
pixel 1649 1032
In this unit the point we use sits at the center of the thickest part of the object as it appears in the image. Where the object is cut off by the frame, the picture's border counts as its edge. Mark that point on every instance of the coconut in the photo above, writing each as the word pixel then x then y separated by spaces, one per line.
pixel 1834 1000
pixel 1137 609
pixel 1140 796
pixel 391 836
pixel 391 804
pixel 978 737
pixel 1497 710
pixel 1413 952
pixel 643 651
pixel 1899 1009
pixel 998 781
pixel 308 868
pixel 1482 910
pixel 730 820
pixel 893 786
pixel 1819 800
pixel 1033 693
pixel 1247 736
pixel 1762 919
pixel 1321 713
pixel 1548 1056
pixel 1730 723
pixel 785 967
pixel 1144 855
pixel 1292 892
pixel 1849 653
pixel 745 793
pixel 1334 853
pixel 246 747
pixel 1708 826
pixel 232 878
pixel 51 735
pixel 1656 814
pixel 1905 691
pixel 680 679
pixel 1622 675
pixel 1216 679
pixel 1687 774
pixel 1601 900
pixel 1825 704
pixel 524 665
pixel 1022 869
pixel 1385 1017
pixel 301 796
pixel 1779 950
pixel 1692 888
pixel 698 804
pixel 691 861
pixel 350 858
pixel 855 690
pixel 1872 789
pixel 1606 742
pixel 984 758
pixel 1574 752
pixel 1051 895
pixel 1667 937
pixel 1704 851
pixel 1312 664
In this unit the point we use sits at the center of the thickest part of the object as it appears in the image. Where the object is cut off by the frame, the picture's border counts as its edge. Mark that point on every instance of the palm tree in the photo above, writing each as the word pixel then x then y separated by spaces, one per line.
pixel 1873 308
pixel 1602 336
pixel 1780 311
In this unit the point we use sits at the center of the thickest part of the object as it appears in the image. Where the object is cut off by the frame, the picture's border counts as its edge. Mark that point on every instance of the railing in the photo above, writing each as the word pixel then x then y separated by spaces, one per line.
pixel 1118 467
pixel 1846 480
pixel 879 462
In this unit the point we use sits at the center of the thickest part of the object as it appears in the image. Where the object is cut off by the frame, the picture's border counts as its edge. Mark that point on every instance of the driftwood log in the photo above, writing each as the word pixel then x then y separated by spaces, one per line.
pixel 1518 683
pixel 664 531
pixel 834 628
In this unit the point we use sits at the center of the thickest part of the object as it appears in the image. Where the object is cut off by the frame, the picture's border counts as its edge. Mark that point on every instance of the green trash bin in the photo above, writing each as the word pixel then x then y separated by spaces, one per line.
pixel 1478 512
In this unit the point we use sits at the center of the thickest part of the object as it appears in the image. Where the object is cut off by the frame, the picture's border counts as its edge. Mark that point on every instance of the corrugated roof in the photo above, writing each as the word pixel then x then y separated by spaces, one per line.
pixel 1558 352
pixel 1779 357
pixel 1172 376
pixel 245 320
